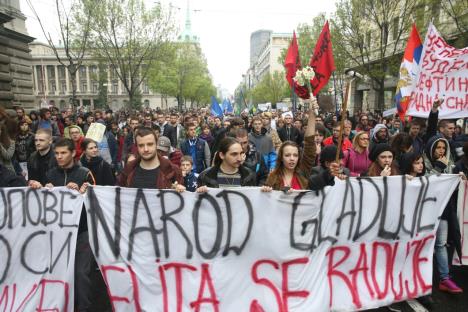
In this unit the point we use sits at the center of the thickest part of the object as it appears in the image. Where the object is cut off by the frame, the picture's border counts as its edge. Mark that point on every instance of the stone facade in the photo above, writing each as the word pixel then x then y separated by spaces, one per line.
pixel 52 83
pixel 16 87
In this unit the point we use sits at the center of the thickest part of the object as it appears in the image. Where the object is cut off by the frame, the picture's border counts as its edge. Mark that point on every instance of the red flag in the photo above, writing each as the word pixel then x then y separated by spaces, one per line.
pixel 322 61
pixel 292 61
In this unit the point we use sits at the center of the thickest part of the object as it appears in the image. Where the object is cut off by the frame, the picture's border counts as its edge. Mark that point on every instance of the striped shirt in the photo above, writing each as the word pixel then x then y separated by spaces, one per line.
pixel 228 180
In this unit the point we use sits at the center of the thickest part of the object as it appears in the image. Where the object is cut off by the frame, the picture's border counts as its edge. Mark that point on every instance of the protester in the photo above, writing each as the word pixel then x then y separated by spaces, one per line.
pixel 333 140
pixel 196 148
pixel 293 169
pixel 253 160
pixel 356 159
pixel 9 178
pixel 412 164
pixel 76 135
pixel 379 135
pixel 288 132
pixel 7 148
pixel 43 159
pixel 227 170
pixel 149 169
pixel 437 160
pixel 263 143
pixel 190 177
pixel 45 122
pixel 325 173
pixel 401 143
pixel 382 157
pixel 101 170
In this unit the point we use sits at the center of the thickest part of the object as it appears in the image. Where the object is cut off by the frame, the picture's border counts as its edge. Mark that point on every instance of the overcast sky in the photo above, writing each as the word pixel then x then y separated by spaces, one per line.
pixel 224 27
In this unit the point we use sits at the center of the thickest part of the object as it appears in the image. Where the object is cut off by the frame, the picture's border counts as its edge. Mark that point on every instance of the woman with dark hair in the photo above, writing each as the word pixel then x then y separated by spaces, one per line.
pixel 206 135
pixel 7 148
pixel 383 164
pixel 227 170
pixel 412 164
pixel 401 144
pixel 100 169
pixel 34 116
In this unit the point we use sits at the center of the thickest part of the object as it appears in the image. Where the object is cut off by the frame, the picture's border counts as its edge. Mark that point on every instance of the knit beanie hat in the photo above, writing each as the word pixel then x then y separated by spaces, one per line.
pixel 378 149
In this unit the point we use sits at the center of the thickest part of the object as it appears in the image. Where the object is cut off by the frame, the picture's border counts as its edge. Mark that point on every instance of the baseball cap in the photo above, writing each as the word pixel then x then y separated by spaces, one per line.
pixel 164 144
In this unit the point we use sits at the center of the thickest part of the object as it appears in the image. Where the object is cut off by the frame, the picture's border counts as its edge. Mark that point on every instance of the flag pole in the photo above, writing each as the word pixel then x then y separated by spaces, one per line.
pixel 343 114
pixel 334 93
pixel 293 98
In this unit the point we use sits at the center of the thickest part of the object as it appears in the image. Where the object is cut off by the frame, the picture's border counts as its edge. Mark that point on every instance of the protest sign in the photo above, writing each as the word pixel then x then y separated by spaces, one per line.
pixel 361 244
pixel 96 131
pixel 442 74
pixel 38 230
pixel 463 223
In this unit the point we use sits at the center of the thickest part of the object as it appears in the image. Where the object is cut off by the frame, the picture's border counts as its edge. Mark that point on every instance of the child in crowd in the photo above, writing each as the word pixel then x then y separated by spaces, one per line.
pixel 190 177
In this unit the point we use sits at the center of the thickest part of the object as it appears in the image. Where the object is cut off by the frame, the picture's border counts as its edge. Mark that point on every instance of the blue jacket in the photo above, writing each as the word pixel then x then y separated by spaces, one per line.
pixel 200 160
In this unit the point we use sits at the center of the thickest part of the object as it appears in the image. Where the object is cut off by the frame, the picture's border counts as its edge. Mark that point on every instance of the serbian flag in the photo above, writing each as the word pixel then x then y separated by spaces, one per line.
pixel 322 61
pixel 292 61
pixel 408 70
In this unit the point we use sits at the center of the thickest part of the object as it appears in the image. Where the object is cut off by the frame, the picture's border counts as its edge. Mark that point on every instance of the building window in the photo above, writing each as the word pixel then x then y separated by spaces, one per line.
pixel 95 87
pixel 53 87
pixel 115 87
pixel 395 28
pixel 84 86
pixel 63 87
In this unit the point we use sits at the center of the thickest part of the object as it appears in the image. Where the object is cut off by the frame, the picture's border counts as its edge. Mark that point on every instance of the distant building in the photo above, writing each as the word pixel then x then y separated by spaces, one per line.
pixel 265 58
pixel 52 83
pixel 15 61
pixel 187 34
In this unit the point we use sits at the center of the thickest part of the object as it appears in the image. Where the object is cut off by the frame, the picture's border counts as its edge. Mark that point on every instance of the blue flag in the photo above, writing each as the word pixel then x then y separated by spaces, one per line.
pixel 225 105
pixel 216 110
pixel 229 107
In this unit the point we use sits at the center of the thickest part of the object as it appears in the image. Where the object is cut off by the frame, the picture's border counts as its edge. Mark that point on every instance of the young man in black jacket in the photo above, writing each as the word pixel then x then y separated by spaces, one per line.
pixel 72 175
pixel 42 160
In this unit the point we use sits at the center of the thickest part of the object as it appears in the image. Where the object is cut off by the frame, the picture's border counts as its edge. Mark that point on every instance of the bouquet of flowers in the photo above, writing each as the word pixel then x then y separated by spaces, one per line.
pixel 302 78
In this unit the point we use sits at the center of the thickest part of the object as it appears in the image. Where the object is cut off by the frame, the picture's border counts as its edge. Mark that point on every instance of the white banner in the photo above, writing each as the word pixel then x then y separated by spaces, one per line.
pixel 38 230
pixel 361 244
pixel 463 222
pixel 443 73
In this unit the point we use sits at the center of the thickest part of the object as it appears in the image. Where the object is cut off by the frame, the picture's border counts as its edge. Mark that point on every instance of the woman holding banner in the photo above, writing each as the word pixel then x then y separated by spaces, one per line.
pixel 293 170
pixel 100 169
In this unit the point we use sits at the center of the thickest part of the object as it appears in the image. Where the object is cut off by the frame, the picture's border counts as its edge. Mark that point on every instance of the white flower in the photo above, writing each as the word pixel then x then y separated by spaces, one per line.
pixel 304 76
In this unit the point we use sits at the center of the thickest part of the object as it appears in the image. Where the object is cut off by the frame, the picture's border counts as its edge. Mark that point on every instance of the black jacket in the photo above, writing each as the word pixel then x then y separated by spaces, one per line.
pixel 171 133
pixel 101 170
pixel 209 177
pixel 77 174
pixel 291 134
pixel 9 178
pixel 255 162
pixel 321 177
pixel 38 166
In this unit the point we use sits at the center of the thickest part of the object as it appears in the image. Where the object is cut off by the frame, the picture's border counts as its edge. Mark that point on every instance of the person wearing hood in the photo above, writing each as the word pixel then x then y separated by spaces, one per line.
pixel 100 169
pixel 76 134
pixel 379 135
pixel 438 160
pixel 325 173
pixel 382 165
pixel 263 143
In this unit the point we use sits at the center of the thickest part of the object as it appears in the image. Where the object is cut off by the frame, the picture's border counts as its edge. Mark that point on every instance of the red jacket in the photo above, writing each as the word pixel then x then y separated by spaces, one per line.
pixel 78 150
pixel 346 143
pixel 168 174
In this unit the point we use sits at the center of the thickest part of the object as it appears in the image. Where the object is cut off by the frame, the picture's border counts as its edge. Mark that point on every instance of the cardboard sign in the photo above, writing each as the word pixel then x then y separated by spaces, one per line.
pixel 361 244
pixel 38 231
pixel 443 74
pixel 96 131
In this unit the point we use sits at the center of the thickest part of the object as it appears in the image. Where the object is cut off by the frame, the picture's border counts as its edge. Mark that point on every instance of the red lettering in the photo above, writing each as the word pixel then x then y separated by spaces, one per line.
pixel 285 289
pixel 112 298
pixel 265 282
pixel 332 271
pixel 417 260
pixel 162 277
pixel 255 307
pixel 361 266
pixel 398 296
pixel 450 83
pixel 178 267
pixel 437 80
pixel 20 308
pixel 136 295
pixel 43 284
pixel 212 299
pixel 463 84
pixel 387 248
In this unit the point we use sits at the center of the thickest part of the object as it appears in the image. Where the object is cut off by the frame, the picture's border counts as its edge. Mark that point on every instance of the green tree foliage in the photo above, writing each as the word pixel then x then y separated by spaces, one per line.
pixel 272 88
pixel 130 37
pixel 370 36
pixel 184 75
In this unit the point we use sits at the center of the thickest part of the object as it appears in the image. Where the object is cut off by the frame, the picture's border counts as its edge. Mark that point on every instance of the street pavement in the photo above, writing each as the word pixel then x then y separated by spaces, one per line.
pixel 442 302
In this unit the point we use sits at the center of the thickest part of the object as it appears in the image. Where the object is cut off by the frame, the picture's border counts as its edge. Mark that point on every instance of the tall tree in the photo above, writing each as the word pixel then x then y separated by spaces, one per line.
pixel 74 33
pixel 271 88
pixel 370 37
pixel 130 37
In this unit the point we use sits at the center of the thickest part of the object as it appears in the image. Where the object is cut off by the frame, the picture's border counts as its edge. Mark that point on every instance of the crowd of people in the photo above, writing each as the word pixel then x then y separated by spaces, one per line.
pixel 194 151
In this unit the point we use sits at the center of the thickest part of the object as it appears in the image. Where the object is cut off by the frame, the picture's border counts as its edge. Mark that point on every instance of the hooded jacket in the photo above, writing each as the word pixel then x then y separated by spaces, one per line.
pixel 374 139
pixel 100 169
pixel 432 165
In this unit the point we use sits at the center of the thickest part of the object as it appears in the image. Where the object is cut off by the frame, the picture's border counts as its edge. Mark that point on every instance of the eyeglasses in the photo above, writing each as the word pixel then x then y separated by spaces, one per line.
pixel 364 139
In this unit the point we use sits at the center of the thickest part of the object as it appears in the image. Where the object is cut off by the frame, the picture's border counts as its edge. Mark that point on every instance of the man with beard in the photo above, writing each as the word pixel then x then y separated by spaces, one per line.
pixel 333 140
pixel 166 129
pixel 42 160
pixel 149 169
pixel 253 160
pixel 379 135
